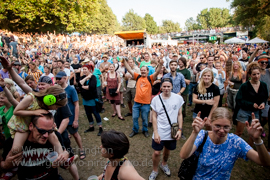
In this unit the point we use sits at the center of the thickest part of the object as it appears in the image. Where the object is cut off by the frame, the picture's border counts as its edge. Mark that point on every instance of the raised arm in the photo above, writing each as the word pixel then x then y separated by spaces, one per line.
pixel 253 55
pixel 15 77
pixel 9 95
pixel 155 74
pixel 128 68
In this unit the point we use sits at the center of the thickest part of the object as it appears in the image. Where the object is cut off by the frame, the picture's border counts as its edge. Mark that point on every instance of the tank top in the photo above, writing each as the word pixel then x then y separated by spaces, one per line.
pixel 116 171
pixel 237 82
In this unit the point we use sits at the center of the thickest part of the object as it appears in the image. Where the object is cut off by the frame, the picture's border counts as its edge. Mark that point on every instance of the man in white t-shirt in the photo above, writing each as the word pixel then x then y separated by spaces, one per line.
pixel 162 129
pixel 210 65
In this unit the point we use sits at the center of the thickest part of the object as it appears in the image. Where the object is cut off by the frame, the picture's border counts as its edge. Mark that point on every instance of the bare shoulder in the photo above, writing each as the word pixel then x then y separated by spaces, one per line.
pixel 127 171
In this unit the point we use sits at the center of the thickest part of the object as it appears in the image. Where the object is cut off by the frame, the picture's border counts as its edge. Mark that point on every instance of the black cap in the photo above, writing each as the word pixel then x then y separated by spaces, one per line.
pixel 45 79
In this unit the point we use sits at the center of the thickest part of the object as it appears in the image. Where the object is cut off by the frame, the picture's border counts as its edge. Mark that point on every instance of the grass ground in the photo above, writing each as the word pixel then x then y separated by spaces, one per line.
pixel 140 150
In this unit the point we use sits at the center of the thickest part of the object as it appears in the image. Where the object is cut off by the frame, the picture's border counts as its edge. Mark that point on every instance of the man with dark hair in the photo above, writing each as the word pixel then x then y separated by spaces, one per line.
pixel 161 127
pixel 131 86
pixel 146 61
pixel 142 98
pixel 202 61
pixel 32 162
pixel 182 62
pixel 61 65
pixel 178 79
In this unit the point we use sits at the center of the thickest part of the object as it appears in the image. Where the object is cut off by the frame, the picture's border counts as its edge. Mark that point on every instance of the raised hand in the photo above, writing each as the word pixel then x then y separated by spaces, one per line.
pixel 2 82
pixel 262 106
pixel 198 123
pixel 255 129
pixel 5 63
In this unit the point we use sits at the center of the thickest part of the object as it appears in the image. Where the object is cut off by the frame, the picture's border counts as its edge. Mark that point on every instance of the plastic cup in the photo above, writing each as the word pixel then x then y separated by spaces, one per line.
pixel 231 85
pixel 94 177
pixel 52 156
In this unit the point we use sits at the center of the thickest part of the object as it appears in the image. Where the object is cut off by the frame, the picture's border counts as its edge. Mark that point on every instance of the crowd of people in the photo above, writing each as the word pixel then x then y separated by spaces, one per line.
pixel 42 74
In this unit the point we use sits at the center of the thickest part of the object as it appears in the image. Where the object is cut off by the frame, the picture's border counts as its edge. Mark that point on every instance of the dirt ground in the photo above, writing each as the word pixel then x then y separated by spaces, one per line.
pixel 140 150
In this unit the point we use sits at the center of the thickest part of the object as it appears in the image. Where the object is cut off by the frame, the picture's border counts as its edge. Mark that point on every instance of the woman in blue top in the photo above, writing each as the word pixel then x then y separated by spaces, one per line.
pixel 222 148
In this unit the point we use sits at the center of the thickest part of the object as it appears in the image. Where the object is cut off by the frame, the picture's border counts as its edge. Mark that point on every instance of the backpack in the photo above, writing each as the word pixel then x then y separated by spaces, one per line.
pixel 148 77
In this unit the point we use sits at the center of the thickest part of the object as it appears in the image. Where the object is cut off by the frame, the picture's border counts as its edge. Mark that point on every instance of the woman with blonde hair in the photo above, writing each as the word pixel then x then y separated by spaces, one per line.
pixel 206 96
pixel 11 86
pixel 221 148
pixel 235 78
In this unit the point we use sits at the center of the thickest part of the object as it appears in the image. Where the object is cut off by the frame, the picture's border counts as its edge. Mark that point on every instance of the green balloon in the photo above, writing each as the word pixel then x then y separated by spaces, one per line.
pixel 49 100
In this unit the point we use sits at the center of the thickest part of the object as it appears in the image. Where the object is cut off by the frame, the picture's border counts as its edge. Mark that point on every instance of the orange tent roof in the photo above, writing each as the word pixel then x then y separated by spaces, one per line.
pixel 129 35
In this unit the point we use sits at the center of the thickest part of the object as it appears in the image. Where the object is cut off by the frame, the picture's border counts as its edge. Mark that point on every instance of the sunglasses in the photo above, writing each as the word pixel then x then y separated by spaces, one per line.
pixel 264 62
pixel 43 131
pixel 58 78
pixel 201 58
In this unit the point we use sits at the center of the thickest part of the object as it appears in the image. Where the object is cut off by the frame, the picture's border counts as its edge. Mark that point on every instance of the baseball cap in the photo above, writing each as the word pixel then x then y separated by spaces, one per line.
pixel 104 56
pixel 60 74
pixel 45 79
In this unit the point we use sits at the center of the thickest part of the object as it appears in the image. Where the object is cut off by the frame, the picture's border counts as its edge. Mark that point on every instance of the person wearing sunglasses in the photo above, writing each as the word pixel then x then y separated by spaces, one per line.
pixel 221 148
pixel 203 60
pixel 265 77
pixel 33 160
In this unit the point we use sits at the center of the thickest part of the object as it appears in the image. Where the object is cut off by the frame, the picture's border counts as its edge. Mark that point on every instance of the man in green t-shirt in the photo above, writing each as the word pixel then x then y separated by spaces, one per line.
pixel 146 61
pixel 182 62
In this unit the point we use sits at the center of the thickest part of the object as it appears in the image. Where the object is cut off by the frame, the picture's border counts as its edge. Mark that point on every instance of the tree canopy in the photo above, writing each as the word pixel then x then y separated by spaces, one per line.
pixel 169 26
pixel 192 24
pixel 132 21
pixel 214 17
pixel 151 25
pixel 59 15
pixel 253 12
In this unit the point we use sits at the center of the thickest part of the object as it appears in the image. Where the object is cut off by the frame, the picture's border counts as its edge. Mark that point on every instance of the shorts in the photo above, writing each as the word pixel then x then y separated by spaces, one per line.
pixel 130 94
pixel 231 97
pixel 168 144
pixel 71 129
pixel 243 116
pixel 265 111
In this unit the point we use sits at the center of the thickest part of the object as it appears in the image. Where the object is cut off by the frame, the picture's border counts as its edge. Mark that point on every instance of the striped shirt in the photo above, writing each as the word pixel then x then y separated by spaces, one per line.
pixel 37 74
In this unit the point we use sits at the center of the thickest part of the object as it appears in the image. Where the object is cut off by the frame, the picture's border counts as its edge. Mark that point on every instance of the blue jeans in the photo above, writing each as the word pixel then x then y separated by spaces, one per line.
pixel 136 110
pixel 89 110
pixel 190 92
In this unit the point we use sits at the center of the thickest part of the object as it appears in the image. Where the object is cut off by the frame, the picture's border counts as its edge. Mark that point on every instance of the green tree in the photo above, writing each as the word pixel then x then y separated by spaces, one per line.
pixel 104 21
pixel 253 12
pixel 191 24
pixel 132 21
pixel 214 17
pixel 151 25
pixel 169 26
pixel 43 15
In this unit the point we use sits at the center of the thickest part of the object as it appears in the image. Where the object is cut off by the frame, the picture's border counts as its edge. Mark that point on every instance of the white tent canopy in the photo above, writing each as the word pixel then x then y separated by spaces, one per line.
pixel 257 40
pixel 235 41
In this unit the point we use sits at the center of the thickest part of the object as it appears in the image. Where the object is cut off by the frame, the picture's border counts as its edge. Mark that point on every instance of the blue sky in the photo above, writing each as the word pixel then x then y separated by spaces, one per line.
pixel 176 10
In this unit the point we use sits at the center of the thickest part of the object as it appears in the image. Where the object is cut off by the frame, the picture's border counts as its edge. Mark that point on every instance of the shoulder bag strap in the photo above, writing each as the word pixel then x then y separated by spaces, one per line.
pixel 204 140
pixel 165 110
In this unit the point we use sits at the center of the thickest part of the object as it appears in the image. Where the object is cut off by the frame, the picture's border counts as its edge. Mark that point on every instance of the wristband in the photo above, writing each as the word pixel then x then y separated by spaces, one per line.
pixel 258 144
pixel 180 129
